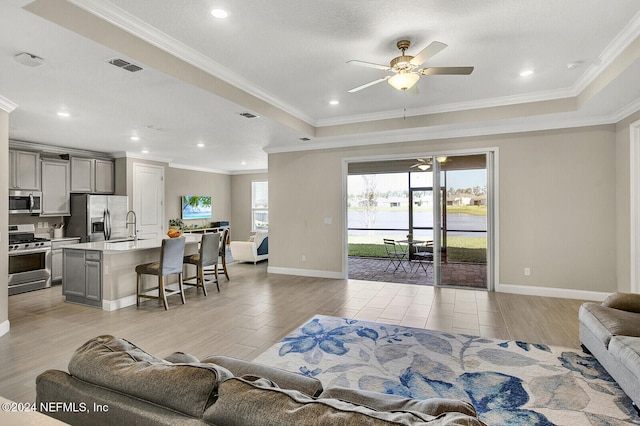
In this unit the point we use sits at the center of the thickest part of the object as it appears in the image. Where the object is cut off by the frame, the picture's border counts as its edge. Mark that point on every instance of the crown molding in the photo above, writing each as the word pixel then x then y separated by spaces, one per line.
pixel 124 20
pixel 498 127
pixel 7 105
pixel 198 169
pixel 629 33
pixel 59 150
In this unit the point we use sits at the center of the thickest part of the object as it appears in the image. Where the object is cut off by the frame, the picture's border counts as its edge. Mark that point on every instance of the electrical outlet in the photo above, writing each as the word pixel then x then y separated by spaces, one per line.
pixel 304 258
pixel 527 272
pixel 39 224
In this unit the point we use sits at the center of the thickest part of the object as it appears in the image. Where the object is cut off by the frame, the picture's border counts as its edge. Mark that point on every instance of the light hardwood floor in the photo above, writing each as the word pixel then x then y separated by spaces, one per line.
pixel 255 310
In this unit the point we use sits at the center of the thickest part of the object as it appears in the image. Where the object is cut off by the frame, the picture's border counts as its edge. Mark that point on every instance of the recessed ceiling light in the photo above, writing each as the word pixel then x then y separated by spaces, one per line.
pixel 135 138
pixel 526 73
pixel 244 163
pixel 63 114
pixel 200 145
pixel 219 13
pixel 334 102
pixel 145 151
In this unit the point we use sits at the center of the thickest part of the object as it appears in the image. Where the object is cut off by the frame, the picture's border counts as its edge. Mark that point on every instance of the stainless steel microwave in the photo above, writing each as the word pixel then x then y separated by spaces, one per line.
pixel 29 202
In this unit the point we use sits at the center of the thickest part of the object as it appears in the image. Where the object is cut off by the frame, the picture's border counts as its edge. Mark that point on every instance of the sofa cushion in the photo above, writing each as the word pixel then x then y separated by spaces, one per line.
pixel 181 358
pixel 284 379
pixel 263 248
pixel 605 322
pixel 629 302
pixel 627 351
pixel 385 402
pixel 117 364
pixel 251 401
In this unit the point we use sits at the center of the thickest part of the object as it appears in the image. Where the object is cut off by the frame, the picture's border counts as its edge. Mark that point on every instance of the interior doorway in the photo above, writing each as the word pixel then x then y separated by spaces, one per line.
pixel 395 199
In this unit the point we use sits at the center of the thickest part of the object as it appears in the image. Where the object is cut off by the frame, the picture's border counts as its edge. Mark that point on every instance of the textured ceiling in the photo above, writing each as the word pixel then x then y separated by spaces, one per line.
pixel 284 60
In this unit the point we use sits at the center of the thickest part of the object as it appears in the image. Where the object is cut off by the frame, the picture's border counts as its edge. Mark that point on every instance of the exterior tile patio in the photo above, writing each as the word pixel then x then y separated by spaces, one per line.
pixel 455 274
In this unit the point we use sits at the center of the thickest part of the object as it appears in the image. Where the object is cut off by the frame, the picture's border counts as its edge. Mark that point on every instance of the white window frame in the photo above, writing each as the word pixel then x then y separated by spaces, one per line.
pixel 259 209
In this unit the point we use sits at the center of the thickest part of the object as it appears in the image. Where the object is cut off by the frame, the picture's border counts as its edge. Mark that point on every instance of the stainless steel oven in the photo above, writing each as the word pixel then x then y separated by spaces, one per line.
pixel 29 260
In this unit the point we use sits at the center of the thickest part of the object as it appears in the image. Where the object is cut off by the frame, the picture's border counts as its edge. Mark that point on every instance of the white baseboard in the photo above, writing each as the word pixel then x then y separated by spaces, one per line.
pixel 305 273
pixel 566 293
pixel 113 305
pixel 123 302
pixel 5 326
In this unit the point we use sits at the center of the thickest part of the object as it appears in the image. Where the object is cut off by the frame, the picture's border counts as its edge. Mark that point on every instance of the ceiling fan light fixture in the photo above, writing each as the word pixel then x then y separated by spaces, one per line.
pixel 403 80
pixel 424 167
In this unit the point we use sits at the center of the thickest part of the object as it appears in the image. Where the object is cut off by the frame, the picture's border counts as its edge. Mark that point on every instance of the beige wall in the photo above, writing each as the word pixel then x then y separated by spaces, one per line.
pixel 180 182
pixel 557 206
pixel 4 220
pixel 241 204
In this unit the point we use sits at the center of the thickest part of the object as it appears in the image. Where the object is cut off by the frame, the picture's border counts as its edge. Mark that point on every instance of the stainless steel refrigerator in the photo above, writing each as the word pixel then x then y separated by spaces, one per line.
pixel 98 217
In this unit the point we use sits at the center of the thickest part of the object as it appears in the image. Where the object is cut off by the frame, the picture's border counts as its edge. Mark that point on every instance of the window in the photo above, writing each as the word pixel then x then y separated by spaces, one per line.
pixel 259 205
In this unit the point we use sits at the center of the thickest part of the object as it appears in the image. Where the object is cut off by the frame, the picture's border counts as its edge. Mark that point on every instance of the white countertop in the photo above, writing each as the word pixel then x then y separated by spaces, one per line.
pixel 121 246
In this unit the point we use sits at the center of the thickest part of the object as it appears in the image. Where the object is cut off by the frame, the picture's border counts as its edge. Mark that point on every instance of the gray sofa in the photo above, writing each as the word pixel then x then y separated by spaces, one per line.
pixel 611 332
pixel 113 382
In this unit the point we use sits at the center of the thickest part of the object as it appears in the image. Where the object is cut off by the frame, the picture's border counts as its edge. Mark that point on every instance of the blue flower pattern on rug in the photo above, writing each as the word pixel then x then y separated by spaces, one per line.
pixel 509 382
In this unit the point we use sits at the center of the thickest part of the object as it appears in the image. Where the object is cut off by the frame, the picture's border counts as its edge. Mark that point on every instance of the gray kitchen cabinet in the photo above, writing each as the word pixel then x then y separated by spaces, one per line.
pixel 92 175
pixel 82 276
pixel 105 177
pixel 56 256
pixel 24 170
pixel 55 188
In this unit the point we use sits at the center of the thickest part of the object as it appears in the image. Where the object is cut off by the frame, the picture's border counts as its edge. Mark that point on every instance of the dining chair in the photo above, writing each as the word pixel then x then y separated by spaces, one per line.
pixel 396 254
pixel 207 256
pixel 171 255
pixel 423 254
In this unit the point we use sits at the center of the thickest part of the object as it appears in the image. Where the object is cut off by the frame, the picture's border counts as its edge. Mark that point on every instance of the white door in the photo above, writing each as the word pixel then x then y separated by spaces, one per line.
pixel 148 199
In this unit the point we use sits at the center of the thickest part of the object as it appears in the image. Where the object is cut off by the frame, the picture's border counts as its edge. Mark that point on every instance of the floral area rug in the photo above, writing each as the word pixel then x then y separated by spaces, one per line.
pixel 509 382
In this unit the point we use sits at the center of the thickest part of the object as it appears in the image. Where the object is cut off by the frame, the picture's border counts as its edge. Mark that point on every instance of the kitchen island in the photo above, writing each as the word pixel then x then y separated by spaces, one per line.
pixel 102 274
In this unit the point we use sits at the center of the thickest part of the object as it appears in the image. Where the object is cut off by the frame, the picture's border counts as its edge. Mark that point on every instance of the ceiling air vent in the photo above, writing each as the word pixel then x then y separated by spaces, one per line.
pixel 121 63
pixel 248 115
pixel 304 139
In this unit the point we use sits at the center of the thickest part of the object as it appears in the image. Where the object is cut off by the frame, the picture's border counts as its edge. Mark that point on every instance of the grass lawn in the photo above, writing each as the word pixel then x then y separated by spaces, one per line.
pixel 459 249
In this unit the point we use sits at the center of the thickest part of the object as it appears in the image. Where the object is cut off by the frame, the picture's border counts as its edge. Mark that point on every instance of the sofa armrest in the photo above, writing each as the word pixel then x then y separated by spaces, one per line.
pixel 55 386
pixel 284 379
pixel 629 302
pixel 243 250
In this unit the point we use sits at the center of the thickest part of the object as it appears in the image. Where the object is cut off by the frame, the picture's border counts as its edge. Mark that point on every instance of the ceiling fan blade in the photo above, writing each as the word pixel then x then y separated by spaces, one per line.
pixel 426 53
pixel 446 70
pixel 371 83
pixel 370 65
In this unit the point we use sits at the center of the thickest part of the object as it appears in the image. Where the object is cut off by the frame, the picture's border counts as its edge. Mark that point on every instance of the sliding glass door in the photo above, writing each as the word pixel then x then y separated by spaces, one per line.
pixel 441 202
pixel 460 215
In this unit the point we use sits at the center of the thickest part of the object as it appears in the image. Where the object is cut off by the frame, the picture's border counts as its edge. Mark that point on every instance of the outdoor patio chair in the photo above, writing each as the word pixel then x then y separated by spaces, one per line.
pixel 396 254
pixel 423 254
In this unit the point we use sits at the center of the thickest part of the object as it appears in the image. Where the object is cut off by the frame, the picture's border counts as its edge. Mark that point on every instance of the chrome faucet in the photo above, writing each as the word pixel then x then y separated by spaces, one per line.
pixel 134 223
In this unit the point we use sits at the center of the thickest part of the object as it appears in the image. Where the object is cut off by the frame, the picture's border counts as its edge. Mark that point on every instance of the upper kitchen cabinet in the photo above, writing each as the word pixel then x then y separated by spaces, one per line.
pixel 92 175
pixel 55 188
pixel 24 170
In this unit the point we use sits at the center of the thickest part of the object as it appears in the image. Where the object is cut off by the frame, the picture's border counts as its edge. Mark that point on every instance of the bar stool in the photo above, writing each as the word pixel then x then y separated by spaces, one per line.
pixel 171 255
pixel 206 256
pixel 222 267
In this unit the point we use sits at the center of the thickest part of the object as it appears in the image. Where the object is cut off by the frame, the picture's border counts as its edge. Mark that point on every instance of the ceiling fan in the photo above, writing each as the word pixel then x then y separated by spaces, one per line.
pixel 424 164
pixel 407 69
